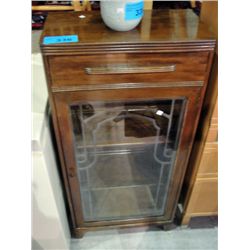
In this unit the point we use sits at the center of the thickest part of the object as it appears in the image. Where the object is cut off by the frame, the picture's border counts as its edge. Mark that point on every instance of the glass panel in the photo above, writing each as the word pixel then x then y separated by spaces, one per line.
pixel 125 152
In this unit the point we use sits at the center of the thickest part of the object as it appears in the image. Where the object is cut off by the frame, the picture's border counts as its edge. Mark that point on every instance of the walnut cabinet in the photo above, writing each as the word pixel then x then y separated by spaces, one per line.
pixel 125 108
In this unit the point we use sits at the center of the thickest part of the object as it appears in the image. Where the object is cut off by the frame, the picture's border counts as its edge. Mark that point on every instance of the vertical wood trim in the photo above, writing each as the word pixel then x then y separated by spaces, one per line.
pixel 146 25
pixel 186 219
pixel 209 15
pixel 193 4
pixel 58 140
pixel 77 6
pixel 64 127
pixel 193 107
pixel 148 4
pixel 86 5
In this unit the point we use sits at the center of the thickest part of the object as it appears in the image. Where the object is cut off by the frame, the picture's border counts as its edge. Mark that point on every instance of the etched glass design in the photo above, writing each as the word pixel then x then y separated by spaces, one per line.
pixel 125 153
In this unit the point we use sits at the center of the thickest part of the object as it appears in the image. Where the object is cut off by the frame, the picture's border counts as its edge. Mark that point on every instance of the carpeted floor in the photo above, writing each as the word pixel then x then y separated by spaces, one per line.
pixel 149 238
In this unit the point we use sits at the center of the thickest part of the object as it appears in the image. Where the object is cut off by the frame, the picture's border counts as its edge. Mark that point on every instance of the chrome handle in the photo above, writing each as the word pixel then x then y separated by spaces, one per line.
pixel 129 70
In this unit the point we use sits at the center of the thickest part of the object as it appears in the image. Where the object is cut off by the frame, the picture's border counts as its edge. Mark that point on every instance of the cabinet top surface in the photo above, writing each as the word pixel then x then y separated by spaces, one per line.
pixel 156 26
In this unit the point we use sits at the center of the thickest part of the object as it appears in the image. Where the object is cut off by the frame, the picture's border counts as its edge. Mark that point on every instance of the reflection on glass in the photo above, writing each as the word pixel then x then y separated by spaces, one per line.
pixel 125 152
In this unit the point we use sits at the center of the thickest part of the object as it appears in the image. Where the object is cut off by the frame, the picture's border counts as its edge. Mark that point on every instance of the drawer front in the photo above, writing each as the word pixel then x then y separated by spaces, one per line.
pixel 204 197
pixel 127 68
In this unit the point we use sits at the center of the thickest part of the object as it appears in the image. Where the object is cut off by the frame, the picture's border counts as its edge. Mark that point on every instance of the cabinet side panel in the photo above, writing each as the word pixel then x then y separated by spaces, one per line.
pixel 62 166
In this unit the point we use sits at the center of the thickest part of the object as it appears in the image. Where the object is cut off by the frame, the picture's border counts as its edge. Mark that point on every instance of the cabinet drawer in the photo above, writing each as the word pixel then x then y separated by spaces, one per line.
pixel 127 68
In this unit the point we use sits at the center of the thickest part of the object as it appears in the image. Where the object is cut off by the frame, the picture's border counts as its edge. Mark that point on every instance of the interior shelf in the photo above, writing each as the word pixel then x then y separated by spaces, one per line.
pixel 125 141
pixel 138 168
pixel 102 204
pixel 136 178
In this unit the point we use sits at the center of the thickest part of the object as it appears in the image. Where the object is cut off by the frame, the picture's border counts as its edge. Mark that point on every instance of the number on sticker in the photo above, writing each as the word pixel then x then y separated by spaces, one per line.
pixel 133 11
pixel 60 39
pixel 139 12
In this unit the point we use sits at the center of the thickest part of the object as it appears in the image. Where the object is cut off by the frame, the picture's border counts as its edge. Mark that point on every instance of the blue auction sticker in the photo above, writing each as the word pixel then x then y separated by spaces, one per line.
pixel 133 11
pixel 60 39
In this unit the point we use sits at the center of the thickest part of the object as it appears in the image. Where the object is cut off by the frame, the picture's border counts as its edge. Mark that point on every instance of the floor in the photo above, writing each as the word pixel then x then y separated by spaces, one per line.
pixel 180 238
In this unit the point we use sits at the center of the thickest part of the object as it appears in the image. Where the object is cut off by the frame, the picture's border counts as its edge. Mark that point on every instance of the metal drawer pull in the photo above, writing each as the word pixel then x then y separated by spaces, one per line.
pixel 127 70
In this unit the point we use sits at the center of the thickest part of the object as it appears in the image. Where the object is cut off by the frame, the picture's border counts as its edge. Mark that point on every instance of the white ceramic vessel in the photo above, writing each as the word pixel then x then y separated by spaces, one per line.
pixel 122 15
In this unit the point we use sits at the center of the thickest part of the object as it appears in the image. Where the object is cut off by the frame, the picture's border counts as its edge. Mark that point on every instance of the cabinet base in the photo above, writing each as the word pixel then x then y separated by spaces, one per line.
pixel 79 232
pixel 169 226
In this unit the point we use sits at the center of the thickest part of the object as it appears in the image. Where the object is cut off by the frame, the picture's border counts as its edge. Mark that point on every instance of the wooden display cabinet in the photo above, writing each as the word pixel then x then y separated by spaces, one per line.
pixel 125 109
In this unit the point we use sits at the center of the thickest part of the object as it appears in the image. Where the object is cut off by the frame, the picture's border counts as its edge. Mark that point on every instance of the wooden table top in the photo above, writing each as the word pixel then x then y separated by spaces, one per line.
pixel 157 26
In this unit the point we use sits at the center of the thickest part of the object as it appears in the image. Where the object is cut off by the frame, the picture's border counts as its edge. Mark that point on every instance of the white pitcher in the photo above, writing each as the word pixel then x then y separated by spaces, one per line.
pixel 122 15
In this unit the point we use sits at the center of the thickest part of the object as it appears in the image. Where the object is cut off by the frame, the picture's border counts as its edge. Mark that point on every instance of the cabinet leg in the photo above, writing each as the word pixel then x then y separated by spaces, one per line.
pixel 78 234
pixel 168 226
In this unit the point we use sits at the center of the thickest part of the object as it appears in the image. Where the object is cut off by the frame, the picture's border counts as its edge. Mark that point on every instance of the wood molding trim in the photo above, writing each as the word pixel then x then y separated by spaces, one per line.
pixel 127 86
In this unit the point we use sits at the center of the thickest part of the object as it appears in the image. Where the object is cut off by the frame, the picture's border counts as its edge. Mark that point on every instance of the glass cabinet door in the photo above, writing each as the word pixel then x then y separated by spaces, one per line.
pixel 125 152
